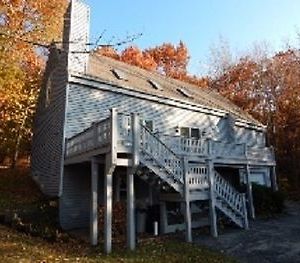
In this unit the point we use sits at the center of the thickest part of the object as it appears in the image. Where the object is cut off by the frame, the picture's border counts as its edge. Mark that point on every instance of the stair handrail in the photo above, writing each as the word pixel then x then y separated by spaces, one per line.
pixel 229 194
pixel 158 139
pixel 169 163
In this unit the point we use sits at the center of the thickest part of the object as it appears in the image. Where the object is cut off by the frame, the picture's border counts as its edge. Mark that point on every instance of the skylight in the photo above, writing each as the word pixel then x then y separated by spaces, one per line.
pixel 184 92
pixel 119 74
pixel 154 84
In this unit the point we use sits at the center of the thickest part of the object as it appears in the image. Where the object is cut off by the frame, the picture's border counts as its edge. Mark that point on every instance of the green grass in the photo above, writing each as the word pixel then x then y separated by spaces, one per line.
pixel 20 195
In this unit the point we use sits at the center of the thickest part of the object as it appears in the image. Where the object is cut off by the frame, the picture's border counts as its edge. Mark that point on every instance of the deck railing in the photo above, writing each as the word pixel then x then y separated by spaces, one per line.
pixel 99 134
pixel 162 154
pixel 185 146
pixel 197 177
pixel 91 138
pixel 260 153
pixel 229 150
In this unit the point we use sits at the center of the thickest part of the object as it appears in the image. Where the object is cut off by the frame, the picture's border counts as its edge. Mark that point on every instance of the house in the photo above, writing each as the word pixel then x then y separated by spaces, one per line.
pixel 106 131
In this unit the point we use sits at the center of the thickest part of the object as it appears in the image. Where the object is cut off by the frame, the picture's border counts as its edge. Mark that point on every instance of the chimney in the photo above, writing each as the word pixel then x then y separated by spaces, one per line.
pixel 76 35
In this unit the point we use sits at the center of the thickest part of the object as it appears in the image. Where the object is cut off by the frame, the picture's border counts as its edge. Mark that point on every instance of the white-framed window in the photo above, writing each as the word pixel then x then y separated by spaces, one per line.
pixel 190 132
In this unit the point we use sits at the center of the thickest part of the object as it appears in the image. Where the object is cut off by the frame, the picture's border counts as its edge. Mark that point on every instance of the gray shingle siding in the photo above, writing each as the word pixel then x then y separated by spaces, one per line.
pixel 87 105
pixel 48 131
pixel 74 203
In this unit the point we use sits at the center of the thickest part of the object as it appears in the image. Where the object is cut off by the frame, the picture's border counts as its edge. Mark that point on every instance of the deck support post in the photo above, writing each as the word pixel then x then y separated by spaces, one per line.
pixel 130 210
pixel 212 200
pixel 108 191
pixel 274 184
pixel 131 233
pixel 249 192
pixel 188 216
pixel 94 203
pixel 110 164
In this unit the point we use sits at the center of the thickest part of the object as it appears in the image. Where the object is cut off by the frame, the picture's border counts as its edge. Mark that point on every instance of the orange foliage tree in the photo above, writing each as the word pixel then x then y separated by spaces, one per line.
pixel 269 89
pixel 26 28
pixel 167 59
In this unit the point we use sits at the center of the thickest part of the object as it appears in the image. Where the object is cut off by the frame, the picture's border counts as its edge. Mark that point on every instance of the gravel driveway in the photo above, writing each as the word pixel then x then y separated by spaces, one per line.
pixel 268 240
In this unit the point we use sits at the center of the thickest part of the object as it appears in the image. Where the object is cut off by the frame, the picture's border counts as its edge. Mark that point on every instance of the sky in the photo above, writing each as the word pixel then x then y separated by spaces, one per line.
pixel 198 23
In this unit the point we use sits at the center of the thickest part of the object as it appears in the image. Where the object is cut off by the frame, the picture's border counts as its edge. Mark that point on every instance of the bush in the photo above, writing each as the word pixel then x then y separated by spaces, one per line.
pixel 266 201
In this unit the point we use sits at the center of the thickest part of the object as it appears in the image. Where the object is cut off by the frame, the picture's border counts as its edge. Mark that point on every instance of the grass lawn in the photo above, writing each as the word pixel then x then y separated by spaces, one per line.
pixel 19 194
pixel 18 247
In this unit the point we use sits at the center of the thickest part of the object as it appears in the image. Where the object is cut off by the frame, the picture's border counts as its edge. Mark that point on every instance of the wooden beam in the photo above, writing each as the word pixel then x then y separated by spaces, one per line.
pixel 136 139
pixel 212 201
pixel 108 187
pixel 114 135
pixel 94 203
pixel 249 193
pixel 130 209
pixel 188 216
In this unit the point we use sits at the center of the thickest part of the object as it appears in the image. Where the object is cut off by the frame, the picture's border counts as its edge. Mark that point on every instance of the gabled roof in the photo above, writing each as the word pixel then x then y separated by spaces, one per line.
pixel 153 83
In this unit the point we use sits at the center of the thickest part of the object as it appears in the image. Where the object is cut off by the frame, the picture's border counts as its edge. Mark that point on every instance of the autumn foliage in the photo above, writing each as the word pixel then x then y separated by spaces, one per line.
pixel 269 89
pixel 167 59
pixel 26 28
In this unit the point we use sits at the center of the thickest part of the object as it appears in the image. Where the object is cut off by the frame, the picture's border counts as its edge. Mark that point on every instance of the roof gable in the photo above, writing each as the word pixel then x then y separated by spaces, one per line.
pixel 141 80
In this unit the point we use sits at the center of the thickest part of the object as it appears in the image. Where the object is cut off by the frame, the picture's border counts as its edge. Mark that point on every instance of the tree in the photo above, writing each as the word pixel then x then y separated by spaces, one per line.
pixel 269 89
pixel 134 56
pixel 167 59
pixel 26 29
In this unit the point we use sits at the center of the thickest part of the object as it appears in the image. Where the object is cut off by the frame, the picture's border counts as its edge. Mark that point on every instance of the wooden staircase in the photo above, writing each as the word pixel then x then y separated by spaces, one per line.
pixel 170 168
pixel 230 202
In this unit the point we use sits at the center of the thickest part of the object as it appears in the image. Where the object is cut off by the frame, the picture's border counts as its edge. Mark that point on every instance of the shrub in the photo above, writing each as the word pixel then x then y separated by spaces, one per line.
pixel 266 201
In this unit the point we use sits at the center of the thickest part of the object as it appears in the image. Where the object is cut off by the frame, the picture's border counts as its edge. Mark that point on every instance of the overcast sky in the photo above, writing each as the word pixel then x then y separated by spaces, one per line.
pixel 198 23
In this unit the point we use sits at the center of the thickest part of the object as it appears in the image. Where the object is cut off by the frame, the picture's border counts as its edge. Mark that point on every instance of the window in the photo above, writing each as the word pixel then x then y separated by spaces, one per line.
pixel 155 85
pixel 195 133
pixel 190 132
pixel 120 74
pixel 184 92
pixel 185 132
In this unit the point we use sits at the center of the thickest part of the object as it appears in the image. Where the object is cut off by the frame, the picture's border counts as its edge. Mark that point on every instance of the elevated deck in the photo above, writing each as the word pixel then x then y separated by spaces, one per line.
pixel 97 140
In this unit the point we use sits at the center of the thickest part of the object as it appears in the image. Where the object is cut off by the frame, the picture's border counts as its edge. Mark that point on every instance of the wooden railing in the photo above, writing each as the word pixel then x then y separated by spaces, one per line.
pixel 161 153
pixel 99 134
pixel 224 190
pixel 228 150
pixel 185 146
pixel 93 137
pixel 261 153
pixel 197 177
pixel 124 130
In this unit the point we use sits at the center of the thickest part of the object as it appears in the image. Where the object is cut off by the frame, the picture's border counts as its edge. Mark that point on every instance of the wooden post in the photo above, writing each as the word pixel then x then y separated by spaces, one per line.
pixel 108 186
pixel 130 210
pixel 163 217
pixel 136 139
pixel 188 216
pixel 114 135
pixel 135 128
pixel 94 203
pixel 212 201
pixel 249 193
pixel 274 184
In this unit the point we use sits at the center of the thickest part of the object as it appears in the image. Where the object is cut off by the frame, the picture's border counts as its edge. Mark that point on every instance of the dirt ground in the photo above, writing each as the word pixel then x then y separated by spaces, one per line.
pixel 268 240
